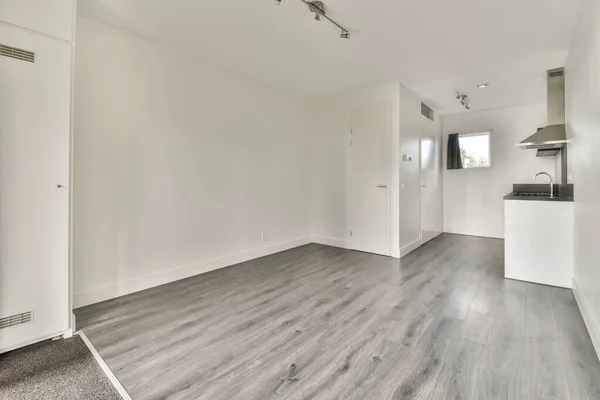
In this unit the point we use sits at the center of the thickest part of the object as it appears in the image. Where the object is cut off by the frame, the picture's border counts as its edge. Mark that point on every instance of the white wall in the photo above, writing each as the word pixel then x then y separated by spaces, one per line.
pixel 51 17
pixel 179 166
pixel 582 81
pixel 331 163
pixel 473 202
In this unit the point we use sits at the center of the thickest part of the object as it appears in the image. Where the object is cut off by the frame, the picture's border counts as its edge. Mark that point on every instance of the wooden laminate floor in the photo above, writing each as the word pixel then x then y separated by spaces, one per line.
pixel 319 322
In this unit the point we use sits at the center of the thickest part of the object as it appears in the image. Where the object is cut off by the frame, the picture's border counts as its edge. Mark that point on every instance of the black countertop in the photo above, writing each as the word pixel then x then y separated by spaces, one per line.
pixel 537 197
pixel 541 192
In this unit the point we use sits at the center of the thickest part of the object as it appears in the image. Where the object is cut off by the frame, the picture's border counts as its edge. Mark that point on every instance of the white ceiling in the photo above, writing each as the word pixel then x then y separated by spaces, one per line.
pixel 435 47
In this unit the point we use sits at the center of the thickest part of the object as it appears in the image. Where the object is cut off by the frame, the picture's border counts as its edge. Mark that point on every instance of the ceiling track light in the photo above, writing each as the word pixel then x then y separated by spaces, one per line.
pixel 463 100
pixel 318 8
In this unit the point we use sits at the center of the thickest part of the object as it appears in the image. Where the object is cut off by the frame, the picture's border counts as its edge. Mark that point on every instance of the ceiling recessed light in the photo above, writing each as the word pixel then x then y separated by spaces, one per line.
pixel 483 85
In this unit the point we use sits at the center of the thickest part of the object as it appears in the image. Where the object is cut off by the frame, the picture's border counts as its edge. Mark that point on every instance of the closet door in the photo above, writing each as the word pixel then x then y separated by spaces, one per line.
pixel 35 98
pixel 370 204
pixel 431 180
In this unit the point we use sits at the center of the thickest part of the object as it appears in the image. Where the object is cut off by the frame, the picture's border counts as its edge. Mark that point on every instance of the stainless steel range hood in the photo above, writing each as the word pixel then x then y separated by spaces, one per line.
pixel 550 139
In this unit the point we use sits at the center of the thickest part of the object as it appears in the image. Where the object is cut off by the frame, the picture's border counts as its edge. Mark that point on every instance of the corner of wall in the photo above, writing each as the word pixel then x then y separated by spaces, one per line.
pixel 123 288
pixel 588 316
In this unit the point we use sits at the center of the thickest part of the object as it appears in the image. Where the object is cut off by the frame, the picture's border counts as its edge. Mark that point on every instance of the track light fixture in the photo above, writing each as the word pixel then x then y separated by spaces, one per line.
pixel 463 100
pixel 318 8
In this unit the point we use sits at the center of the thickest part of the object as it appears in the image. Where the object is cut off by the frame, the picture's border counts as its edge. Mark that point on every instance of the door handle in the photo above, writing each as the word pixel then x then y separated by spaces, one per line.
pixel 425 185
pixel 382 186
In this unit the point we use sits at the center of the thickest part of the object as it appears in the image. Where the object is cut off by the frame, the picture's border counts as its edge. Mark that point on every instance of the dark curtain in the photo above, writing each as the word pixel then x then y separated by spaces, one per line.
pixel 454 160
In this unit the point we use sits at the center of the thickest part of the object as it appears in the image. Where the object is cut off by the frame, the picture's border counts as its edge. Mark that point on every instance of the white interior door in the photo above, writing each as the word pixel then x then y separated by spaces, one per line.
pixel 431 180
pixel 34 211
pixel 370 199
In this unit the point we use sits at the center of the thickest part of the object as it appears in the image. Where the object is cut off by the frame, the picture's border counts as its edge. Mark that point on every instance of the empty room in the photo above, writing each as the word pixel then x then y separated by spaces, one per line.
pixel 297 199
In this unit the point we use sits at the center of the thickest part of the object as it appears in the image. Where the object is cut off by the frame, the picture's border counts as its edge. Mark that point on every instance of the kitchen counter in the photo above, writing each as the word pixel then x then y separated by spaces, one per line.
pixel 535 197
pixel 541 192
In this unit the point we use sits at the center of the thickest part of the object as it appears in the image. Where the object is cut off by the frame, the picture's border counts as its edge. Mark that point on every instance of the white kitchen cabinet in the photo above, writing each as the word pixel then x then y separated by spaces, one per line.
pixel 539 241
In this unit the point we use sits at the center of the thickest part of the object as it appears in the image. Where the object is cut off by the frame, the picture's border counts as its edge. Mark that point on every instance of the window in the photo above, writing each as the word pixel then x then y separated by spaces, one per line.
pixel 475 149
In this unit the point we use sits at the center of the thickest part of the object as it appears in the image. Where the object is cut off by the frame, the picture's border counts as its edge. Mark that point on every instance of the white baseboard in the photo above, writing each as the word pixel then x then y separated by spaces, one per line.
pixel 111 291
pixel 455 231
pixel 410 247
pixel 588 317
pixel 344 244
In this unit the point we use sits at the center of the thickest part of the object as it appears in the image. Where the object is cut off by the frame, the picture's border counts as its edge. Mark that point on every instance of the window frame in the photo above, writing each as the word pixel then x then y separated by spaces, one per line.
pixel 487 133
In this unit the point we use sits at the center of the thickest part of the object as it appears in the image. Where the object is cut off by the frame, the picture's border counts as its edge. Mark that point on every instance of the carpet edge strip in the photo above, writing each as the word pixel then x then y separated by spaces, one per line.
pixel 109 374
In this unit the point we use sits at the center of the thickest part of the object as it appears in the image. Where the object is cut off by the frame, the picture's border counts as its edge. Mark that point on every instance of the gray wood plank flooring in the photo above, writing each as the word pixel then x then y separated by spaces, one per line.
pixel 319 322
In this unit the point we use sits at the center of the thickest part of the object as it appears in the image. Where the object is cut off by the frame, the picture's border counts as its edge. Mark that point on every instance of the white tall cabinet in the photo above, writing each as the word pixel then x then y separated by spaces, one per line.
pixel 36 39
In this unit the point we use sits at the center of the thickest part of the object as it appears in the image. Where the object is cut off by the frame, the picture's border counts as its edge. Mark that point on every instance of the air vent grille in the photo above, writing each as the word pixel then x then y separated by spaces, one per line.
pixel 16 319
pixel 547 152
pixel 556 72
pixel 19 54
pixel 426 111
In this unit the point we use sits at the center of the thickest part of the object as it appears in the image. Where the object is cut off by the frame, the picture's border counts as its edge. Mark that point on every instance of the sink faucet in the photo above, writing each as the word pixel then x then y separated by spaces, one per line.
pixel 551 181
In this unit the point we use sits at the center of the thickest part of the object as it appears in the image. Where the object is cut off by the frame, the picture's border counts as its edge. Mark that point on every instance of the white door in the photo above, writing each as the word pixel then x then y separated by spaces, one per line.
pixel 34 211
pixel 370 207
pixel 431 180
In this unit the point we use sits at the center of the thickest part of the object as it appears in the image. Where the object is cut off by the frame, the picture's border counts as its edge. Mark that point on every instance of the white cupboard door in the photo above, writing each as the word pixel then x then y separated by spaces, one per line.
pixel 35 100
pixel 370 207
pixel 538 241
pixel 431 181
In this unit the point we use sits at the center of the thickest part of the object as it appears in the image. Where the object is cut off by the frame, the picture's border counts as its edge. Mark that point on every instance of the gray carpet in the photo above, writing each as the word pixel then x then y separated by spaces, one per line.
pixel 59 369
